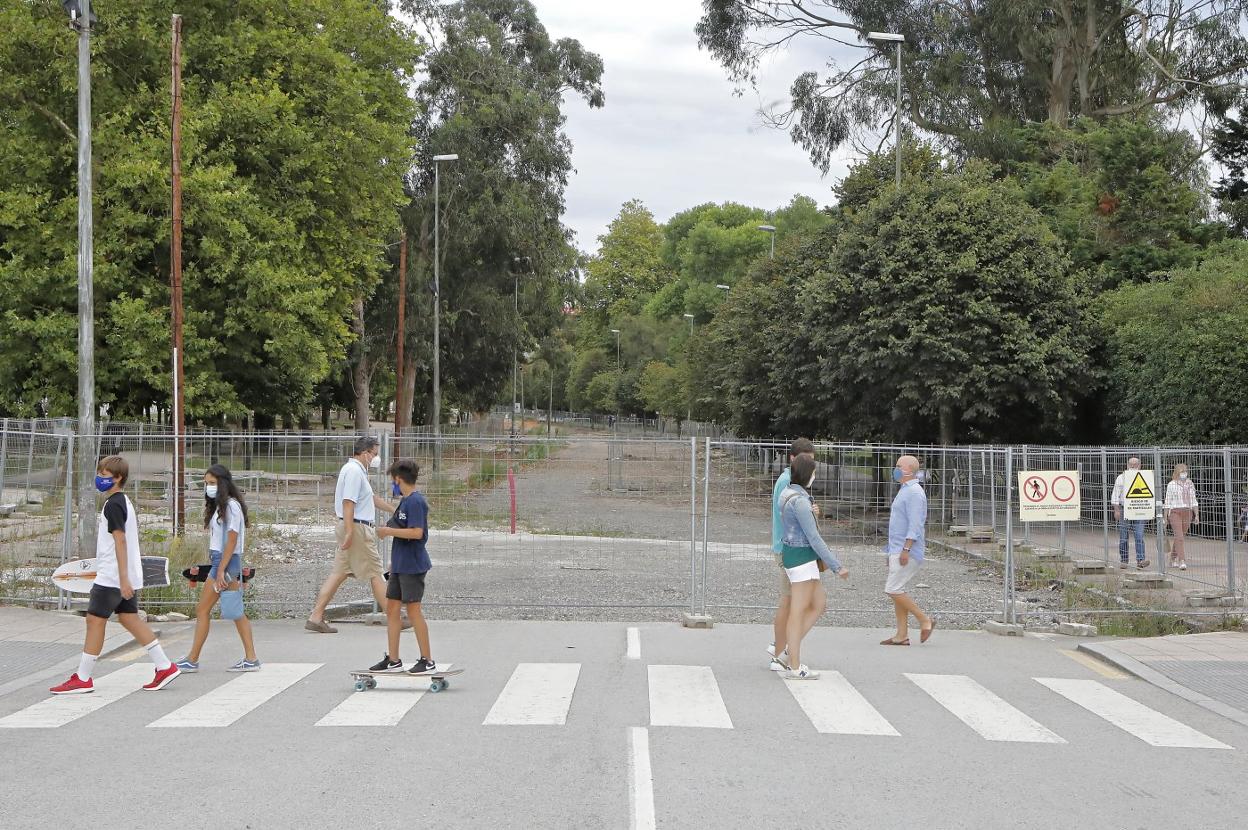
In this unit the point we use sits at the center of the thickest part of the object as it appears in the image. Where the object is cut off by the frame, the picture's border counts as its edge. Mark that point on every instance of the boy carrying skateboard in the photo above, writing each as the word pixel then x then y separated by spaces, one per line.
pixel 409 562
pixel 119 571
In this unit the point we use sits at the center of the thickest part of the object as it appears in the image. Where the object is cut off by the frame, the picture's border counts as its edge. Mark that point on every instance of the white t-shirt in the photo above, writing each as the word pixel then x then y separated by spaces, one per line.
pixel 218 532
pixel 353 486
pixel 117 514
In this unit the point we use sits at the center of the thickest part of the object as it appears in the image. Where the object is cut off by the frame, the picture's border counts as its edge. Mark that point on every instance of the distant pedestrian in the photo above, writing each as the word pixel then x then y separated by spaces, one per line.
pixel 803 549
pixel 906 545
pixel 1135 527
pixel 225 518
pixel 780 638
pixel 355 505
pixel 1182 511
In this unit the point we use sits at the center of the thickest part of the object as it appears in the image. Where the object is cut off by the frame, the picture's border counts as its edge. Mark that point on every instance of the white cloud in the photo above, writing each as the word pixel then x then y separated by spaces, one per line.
pixel 672 132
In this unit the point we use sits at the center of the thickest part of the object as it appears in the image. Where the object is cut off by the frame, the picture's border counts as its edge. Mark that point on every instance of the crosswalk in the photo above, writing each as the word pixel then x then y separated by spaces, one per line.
pixel 679 697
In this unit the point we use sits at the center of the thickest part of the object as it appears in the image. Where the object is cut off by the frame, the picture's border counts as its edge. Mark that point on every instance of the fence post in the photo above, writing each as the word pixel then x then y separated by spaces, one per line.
pixel 4 452
pixel 1026 525
pixel 706 512
pixel 30 462
pixel 970 498
pixel 693 525
pixel 1229 492
pixel 1061 526
pixel 1161 522
pixel 1105 503
pixel 67 514
pixel 1007 610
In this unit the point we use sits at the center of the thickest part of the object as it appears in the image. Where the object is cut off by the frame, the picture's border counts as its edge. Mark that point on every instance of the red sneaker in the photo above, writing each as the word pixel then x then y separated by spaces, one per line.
pixel 74 686
pixel 162 678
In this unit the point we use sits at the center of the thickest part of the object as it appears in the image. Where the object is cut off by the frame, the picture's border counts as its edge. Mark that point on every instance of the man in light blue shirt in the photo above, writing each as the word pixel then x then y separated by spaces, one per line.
pixel 906 545
pixel 777 650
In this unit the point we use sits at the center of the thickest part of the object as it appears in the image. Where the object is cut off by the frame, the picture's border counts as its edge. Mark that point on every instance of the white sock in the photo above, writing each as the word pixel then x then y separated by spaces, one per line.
pixel 157 654
pixel 86 665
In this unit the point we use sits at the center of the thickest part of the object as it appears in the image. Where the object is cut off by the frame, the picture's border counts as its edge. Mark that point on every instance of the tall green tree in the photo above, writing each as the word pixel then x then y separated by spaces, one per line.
pixel 969 67
pixel 295 132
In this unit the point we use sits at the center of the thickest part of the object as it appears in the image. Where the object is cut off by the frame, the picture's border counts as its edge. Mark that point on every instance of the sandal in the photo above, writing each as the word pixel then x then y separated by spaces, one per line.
pixel 927 632
pixel 891 642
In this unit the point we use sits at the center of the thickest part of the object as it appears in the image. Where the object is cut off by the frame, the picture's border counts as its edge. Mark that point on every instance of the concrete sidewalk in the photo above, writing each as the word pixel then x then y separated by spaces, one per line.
pixel 37 645
pixel 1210 670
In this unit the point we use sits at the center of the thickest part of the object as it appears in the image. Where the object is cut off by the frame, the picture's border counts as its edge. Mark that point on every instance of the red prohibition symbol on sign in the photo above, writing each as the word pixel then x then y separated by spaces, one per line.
pixel 1035 489
pixel 1063 488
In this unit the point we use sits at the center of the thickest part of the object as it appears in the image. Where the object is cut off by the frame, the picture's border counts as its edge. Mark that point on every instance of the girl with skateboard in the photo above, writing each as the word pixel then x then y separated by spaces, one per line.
pixel 225 518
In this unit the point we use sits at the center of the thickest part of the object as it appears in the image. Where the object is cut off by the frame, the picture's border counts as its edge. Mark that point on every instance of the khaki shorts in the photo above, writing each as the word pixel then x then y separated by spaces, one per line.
pixel 361 560
pixel 786 587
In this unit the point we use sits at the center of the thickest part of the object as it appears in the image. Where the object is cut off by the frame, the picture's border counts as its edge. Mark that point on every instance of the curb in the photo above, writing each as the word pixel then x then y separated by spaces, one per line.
pixel 1106 652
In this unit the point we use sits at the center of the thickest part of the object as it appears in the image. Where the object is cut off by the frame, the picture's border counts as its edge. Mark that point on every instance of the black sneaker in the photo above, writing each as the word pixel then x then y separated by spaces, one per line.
pixel 423 666
pixel 387 664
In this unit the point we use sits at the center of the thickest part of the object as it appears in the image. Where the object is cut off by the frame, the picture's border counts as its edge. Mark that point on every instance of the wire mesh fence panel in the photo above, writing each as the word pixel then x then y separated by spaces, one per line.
pixel 33 469
pixel 854 489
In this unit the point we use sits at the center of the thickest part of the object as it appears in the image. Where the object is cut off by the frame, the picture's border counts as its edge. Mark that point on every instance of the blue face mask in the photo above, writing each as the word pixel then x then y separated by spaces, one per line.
pixel 394 489
pixel 897 474
pixel 104 483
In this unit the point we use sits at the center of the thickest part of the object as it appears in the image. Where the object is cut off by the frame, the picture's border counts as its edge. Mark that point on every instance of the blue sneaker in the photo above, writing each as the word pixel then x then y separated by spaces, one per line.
pixel 245 665
pixel 186 666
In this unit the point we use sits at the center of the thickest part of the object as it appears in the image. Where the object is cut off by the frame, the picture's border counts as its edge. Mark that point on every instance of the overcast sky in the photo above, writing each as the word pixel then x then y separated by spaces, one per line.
pixel 672 133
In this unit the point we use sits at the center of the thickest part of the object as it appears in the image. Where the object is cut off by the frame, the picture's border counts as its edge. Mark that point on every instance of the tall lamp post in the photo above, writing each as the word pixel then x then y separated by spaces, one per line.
pixel 81 19
pixel 890 37
pixel 616 332
pixel 771 229
pixel 437 310
pixel 689 410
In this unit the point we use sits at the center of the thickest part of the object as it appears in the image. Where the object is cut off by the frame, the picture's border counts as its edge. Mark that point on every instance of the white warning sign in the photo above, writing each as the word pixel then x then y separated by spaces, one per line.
pixel 1139 499
pixel 1048 496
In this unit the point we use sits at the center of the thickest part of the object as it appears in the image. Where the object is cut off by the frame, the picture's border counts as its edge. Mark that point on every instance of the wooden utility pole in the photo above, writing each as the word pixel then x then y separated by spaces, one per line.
pixel 400 418
pixel 175 276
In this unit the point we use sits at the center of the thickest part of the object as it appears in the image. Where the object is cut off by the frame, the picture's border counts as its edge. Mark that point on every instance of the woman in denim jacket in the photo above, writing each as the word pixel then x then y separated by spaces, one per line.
pixel 802 549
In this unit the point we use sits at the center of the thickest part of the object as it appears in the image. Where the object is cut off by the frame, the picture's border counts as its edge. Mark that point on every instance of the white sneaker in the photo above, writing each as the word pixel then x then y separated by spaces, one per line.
pixel 802 673
pixel 771 649
pixel 1182 566
pixel 780 663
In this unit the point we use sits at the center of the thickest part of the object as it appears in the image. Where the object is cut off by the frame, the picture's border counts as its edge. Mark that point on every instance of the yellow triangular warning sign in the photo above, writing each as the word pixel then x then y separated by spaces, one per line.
pixel 1139 488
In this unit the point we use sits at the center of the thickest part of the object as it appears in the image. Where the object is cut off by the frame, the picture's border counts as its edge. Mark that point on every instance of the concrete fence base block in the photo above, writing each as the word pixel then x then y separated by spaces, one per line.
pixel 1003 629
pixel 1076 629
pixel 348 609
pixel 1146 580
pixel 1223 601
pixel 1088 566
pixel 697 620
pixel 379 618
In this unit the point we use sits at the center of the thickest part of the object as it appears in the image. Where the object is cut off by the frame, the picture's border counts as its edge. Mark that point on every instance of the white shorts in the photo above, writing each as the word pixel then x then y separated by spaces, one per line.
pixel 899 575
pixel 803 573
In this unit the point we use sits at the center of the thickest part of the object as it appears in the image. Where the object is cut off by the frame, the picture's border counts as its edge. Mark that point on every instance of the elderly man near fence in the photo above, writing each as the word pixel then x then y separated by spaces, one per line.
pixel 356 554
pixel 906 545
pixel 1134 526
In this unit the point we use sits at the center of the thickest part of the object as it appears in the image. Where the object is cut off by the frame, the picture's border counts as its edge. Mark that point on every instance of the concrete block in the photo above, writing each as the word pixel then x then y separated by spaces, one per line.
pixel 1212 599
pixel 1088 566
pixel 1002 629
pixel 1076 629
pixel 697 620
pixel 1051 556
pixel 1145 580
pixel 379 618
pixel 348 609
pixel 6 509
pixel 176 616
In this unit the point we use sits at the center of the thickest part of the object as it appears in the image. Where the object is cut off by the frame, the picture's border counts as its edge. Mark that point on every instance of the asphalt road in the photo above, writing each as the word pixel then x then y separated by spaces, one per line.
pixel 555 725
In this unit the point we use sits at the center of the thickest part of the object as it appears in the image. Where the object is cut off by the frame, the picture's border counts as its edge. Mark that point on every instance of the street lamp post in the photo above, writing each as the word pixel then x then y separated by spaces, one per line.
pixel 890 37
pixel 616 332
pixel 81 19
pixel 437 309
pixel 689 403
pixel 771 229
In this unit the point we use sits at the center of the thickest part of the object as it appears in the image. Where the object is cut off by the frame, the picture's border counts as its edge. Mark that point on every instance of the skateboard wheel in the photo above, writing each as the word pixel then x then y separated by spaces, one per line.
pixel 446 684
pixel 371 683
pixel 360 686
pixel 436 686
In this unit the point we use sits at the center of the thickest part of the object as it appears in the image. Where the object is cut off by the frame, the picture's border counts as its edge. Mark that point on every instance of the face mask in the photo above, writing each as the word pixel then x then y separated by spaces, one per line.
pixel 1183 476
pixel 394 490
pixel 210 491
pixel 897 474
pixel 375 463
pixel 104 483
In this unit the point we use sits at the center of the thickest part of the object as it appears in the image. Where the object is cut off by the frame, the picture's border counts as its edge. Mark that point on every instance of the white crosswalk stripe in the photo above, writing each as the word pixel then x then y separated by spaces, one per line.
pixel 982 710
pixel 686 696
pixel 1129 715
pixel 538 694
pixel 384 706
pixel 230 701
pixel 837 708
pixel 60 710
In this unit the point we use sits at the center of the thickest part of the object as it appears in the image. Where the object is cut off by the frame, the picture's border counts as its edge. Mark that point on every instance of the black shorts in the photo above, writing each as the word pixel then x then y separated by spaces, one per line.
pixel 107 601
pixel 406 587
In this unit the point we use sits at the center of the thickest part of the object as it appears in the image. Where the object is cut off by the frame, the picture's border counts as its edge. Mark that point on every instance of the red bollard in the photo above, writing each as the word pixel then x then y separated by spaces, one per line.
pixel 511 486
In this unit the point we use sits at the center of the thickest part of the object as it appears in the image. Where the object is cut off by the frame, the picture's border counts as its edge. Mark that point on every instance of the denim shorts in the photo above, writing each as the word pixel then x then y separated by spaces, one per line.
pixel 235 568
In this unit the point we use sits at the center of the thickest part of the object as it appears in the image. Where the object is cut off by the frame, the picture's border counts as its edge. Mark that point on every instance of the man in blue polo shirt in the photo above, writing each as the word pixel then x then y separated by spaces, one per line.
pixel 906 545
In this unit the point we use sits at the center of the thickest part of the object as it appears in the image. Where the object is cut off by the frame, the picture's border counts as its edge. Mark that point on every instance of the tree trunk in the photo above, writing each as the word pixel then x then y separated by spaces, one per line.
pixel 325 410
pixel 360 374
pixel 403 420
pixel 947 424
pixel 1062 76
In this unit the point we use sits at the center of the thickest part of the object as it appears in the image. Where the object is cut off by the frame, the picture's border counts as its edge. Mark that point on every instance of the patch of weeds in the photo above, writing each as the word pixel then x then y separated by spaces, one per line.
pixel 1036 577
pixel 1142 625
pixel 489 472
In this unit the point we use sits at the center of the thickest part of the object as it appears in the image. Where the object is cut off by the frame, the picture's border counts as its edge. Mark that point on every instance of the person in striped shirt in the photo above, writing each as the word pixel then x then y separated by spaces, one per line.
pixel 1182 511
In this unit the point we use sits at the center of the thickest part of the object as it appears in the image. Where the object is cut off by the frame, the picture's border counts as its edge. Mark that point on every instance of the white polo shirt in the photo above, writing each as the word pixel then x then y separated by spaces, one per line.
pixel 353 486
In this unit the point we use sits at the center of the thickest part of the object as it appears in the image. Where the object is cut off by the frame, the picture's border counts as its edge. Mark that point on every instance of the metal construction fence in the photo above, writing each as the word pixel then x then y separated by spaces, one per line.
pixel 603 520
